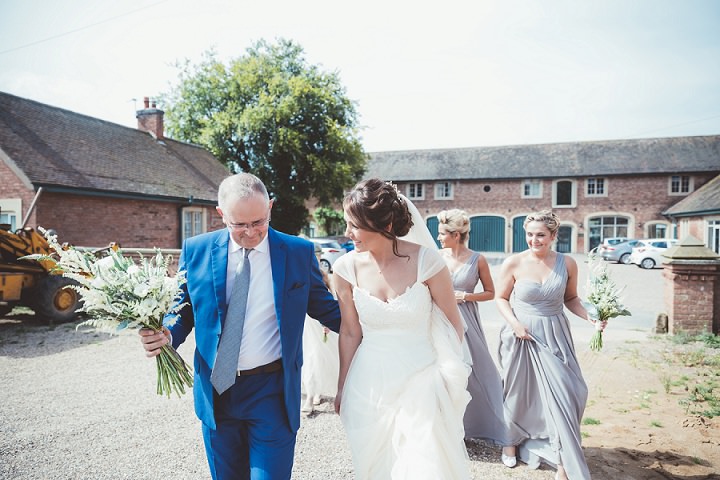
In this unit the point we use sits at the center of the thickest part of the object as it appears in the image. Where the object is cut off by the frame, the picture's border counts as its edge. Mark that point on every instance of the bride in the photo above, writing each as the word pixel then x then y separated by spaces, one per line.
pixel 402 384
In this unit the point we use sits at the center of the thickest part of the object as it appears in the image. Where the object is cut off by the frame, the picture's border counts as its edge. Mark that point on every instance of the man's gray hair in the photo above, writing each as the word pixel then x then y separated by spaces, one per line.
pixel 239 187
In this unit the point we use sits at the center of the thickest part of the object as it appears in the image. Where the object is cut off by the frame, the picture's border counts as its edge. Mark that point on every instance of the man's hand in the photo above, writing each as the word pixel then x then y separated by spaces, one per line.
pixel 153 341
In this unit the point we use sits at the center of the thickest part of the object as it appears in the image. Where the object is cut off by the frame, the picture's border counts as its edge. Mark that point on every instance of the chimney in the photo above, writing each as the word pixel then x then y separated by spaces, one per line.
pixel 150 119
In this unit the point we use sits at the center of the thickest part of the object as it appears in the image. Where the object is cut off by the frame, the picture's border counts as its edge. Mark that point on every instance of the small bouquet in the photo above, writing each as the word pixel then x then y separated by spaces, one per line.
pixel 118 293
pixel 603 300
pixel 325 334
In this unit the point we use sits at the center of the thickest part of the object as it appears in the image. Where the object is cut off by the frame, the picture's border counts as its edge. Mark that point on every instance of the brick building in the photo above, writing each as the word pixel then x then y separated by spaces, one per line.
pixel 97 182
pixel 698 215
pixel 599 189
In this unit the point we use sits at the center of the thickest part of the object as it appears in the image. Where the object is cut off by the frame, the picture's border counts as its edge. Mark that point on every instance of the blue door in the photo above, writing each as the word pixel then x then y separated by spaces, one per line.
pixel 487 234
pixel 564 239
pixel 432 225
pixel 519 242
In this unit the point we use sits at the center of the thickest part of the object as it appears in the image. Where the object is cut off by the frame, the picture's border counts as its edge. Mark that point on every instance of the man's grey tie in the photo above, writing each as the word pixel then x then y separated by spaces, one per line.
pixel 226 363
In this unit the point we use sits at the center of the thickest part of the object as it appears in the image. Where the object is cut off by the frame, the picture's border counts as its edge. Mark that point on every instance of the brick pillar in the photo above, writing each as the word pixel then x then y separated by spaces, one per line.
pixel 692 288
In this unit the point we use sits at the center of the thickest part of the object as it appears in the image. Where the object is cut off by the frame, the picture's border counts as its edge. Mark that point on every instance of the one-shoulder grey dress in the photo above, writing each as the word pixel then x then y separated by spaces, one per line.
pixel 484 414
pixel 545 393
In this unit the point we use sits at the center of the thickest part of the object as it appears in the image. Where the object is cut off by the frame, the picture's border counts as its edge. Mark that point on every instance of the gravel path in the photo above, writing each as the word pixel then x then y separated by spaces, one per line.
pixel 82 405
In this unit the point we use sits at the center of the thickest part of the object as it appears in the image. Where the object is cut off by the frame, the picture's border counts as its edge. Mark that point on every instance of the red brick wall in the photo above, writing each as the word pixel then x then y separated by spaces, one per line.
pixel 640 198
pixel 97 221
pixel 12 187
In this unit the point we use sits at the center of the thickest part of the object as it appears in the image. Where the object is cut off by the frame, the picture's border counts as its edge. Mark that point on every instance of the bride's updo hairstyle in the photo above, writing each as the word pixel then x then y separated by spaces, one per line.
pixel 551 221
pixel 376 206
pixel 455 221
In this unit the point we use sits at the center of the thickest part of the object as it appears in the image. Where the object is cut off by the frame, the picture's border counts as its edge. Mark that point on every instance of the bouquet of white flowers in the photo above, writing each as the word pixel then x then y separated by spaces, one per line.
pixel 118 293
pixel 603 299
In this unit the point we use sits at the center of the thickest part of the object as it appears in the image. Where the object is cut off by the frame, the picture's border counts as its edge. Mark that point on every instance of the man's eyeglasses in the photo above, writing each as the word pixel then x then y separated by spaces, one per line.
pixel 247 226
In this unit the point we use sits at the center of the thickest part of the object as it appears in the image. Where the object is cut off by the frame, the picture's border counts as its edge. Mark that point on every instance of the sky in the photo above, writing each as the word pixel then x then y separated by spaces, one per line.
pixel 423 74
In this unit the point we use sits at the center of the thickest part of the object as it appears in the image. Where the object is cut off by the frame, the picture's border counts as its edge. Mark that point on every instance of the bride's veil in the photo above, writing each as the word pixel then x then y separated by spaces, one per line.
pixel 419 232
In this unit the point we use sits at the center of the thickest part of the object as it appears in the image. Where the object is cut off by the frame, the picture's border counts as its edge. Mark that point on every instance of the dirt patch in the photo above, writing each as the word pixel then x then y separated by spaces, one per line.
pixel 637 424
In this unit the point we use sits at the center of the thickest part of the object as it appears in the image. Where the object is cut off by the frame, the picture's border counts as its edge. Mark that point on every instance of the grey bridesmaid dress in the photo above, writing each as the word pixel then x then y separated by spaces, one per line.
pixel 545 393
pixel 484 414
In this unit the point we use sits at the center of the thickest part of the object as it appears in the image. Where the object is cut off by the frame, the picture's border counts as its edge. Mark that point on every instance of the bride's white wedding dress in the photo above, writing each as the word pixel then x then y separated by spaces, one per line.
pixel 405 393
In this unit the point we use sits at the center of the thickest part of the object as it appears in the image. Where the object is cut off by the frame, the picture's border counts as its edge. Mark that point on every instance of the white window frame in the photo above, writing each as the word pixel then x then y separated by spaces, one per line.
pixel 573 193
pixel 595 179
pixel 203 221
pixel 531 183
pixel 648 225
pixel 12 207
pixel 712 232
pixel 443 190
pixel 690 187
pixel 413 195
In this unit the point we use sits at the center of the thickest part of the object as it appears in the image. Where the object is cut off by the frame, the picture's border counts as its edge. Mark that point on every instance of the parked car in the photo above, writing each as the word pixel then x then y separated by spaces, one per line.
pixel 331 251
pixel 619 252
pixel 608 242
pixel 346 243
pixel 648 252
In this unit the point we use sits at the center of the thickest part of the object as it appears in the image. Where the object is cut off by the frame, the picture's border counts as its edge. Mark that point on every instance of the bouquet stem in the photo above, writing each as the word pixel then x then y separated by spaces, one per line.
pixel 596 342
pixel 173 374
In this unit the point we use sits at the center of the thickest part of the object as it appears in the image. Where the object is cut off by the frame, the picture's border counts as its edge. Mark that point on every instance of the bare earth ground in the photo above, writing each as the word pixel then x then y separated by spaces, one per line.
pixel 78 404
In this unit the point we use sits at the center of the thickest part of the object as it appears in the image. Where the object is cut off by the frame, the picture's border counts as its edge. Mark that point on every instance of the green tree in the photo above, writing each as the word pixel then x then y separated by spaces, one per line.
pixel 272 114
pixel 330 220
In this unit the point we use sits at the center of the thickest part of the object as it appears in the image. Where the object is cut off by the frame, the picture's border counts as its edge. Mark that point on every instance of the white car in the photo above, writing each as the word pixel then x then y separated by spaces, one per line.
pixel 331 251
pixel 648 252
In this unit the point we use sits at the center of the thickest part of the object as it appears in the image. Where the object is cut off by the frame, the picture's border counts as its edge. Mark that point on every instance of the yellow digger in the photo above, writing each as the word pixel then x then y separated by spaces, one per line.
pixel 28 282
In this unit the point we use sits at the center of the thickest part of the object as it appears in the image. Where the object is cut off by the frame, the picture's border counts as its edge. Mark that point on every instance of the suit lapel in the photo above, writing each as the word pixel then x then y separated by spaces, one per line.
pixel 278 256
pixel 219 255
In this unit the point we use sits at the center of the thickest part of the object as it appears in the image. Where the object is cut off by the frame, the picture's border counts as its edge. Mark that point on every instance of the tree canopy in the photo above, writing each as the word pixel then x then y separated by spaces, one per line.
pixel 272 114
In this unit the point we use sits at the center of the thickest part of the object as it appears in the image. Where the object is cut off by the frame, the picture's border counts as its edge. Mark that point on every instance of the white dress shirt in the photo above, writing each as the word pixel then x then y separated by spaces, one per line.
pixel 261 337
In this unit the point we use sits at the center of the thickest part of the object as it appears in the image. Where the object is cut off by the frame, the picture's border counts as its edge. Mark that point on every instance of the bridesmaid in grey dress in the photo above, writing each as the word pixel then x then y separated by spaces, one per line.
pixel 545 393
pixel 484 414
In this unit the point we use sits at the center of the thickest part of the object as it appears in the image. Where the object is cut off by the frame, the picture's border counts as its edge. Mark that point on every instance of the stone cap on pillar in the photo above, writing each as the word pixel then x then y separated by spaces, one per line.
pixel 690 248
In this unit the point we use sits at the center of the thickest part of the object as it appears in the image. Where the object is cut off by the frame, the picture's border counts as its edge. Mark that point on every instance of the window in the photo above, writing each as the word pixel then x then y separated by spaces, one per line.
pixel 713 235
pixel 657 230
pixel 443 191
pixel 531 189
pixel 9 219
pixel 415 191
pixel 193 222
pixel 10 210
pixel 600 228
pixel 595 187
pixel 563 193
pixel 681 184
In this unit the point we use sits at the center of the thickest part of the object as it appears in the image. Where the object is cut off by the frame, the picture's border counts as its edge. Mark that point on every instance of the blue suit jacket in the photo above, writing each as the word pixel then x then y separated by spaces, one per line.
pixel 298 288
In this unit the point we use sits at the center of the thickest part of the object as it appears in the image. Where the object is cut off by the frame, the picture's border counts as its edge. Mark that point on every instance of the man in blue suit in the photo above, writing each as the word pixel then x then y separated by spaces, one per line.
pixel 250 426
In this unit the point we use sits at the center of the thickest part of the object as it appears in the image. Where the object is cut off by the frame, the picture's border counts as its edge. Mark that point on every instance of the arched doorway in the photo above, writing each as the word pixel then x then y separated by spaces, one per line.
pixel 518 233
pixel 432 225
pixel 563 241
pixel 487 234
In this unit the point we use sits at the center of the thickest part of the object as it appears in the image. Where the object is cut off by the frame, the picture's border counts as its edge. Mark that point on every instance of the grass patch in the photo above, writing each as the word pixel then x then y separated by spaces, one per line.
pixel 700 356
pixel 655 423
pixel 590 421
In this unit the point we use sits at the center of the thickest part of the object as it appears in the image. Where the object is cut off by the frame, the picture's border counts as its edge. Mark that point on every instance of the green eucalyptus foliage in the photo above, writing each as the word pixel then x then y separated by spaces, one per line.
pixel 272 114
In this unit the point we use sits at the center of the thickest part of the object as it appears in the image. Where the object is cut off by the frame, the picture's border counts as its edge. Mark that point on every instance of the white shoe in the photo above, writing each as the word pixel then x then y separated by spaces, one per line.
pixel 316 400
pixel 508 461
